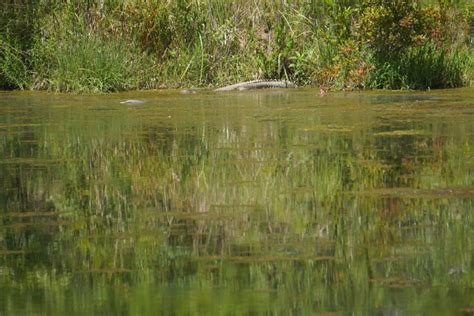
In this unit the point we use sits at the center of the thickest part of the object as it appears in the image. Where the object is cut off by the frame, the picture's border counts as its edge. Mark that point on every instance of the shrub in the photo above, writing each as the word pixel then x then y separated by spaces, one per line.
pixel 412 46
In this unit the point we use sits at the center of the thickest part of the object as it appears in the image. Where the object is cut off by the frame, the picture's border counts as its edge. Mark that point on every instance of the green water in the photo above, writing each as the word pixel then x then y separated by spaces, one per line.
pixel 265 203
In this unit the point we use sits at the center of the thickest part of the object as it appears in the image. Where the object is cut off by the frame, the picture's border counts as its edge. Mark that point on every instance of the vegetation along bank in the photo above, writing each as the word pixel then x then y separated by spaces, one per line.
pixel 116 45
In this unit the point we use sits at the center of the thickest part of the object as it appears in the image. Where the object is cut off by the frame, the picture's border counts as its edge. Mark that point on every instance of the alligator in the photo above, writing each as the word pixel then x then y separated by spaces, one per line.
pixel 257 84
pixel 247 85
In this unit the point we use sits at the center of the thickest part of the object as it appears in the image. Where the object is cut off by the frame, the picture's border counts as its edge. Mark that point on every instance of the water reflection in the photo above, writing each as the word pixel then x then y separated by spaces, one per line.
pixel 248 202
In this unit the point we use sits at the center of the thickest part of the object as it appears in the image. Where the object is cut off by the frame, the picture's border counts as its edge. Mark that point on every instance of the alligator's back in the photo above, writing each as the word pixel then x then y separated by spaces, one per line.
pixel 258 84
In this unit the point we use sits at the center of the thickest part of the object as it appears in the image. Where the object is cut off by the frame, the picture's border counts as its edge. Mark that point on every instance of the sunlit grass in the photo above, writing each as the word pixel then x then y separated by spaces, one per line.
pixel 117 46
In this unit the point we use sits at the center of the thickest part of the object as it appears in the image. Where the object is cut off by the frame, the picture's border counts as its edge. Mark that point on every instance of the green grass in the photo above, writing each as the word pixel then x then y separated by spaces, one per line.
pixel 91 64
pixel 423 67
pixel 133 45
pixel 14 72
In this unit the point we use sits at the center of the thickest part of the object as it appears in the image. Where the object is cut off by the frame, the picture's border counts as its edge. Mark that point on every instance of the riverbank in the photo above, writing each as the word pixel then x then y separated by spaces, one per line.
pixel 129 45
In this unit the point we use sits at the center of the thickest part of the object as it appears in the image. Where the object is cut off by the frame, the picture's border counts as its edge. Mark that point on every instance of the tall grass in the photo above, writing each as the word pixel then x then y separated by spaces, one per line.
pixel 114 45
pixel 91 64
pixel 14 72
pixel 423 67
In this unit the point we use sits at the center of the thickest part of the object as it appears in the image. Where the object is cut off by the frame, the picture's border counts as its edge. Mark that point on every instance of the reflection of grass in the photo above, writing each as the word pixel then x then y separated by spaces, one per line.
pixel 401 133
pixel 453 192
pixel 156 210
pixel 327 129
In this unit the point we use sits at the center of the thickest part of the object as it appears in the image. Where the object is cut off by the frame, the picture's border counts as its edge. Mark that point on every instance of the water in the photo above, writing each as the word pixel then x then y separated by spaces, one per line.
pixel 268 202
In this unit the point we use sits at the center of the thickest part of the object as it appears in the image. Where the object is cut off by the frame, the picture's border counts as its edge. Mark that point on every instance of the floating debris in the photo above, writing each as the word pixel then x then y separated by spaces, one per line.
pixel 457 271
pixel 188 91
pixel 133 102
pixel 327 129
pixel 467 310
